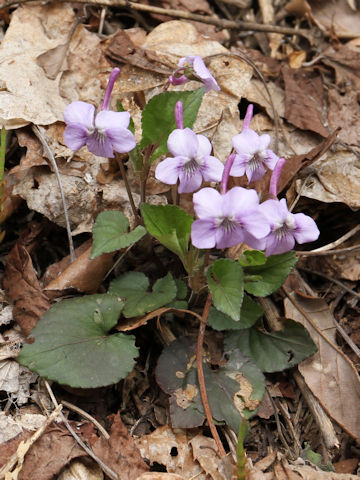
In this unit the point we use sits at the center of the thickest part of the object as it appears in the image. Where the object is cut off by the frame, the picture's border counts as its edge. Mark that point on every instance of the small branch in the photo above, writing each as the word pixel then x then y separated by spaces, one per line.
pixel 201 379
pixel 169 12
pixel 86 415
pixel 314 253
pixel 57 173
pixel 337 242
pixel 110 473
pixel 127 186
pixel 331 279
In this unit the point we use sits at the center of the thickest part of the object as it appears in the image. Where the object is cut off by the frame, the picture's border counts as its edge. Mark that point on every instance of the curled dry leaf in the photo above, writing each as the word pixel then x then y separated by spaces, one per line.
pixel 23 289
pixel 82 470
pixel 329 373
pixel 84 274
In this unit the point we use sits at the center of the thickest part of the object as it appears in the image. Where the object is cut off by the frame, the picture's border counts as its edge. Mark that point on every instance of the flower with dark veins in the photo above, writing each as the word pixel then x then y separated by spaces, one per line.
pixel 286 227
pixel 103 132
pixel 193 67
pixel 192 161
pixel 229 219
pixel 252 152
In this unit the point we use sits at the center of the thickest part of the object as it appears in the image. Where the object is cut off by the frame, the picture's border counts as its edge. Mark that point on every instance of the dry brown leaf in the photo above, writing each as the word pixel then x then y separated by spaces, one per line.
pixel 23 289
pixel 304 100
pixel 307 473
pixel 206 453
pixel 329 373
pixel 159 476
pixel 337 17
pixel 346 466
pixel 344 112
pixel 334 178
pixel 172 450
pixel 120 452
pixel 81 470
pixel 256 93
pixel 84 274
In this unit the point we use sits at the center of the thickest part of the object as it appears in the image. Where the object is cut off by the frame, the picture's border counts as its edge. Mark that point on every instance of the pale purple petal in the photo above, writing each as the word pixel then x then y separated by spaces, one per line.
pixel 237 200
pixel 121 138
pixel 271 159
pixel 177 80
pixel 212 169
pixel 254 222
pixel 276 211
pixel 167 171
pixel 254 175
pixel 239 165
pixel 257 243
pixel 80 113
pixel 275 245
pixel 246 142
pixel 100 146
pixel 203 233
pixel 183 143
pixel 264 141
pixel 204 145
pixel 207 203
pixel 75 136
pixel 229 238
pixel 106 119
pixel 203 73
pixel 306 229
pixel 189 183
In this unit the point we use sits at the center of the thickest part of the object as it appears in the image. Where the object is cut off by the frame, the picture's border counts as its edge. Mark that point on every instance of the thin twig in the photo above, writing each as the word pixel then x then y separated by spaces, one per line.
pixel 201 379
pixel 339 241
pixel 314 253
pixel 57 173
pixel 169 12
pixel 331 279
pixel 110 473
pixel 18 456
pixel 347 339
pixel 127 186
pixel 86 415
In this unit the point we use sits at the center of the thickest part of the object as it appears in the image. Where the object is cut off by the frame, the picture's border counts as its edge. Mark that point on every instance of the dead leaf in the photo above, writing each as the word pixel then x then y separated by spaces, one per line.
pixel 11 427
pixel 159 476
pixel 15 380
pixel 346 466
pixel 84 274
pixel 344 112
pixel 304 100
pixel 307 473
pixel 82 470
pixel 337 17
pixel 206 453
pixel 329 373
pixel 334 178
pixel 171 449
pixel 23 289
pixel 120 452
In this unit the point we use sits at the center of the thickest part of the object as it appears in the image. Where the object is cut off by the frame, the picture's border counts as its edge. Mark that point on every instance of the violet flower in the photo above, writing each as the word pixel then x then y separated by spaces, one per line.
pixel 104 132
pixel 252 152
pixel 192 161
pixel 193 67
pixel 229 219
pixel 286 227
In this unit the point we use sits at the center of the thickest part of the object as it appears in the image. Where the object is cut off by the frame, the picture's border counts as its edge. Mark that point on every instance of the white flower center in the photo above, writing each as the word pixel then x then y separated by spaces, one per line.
pixel 227 223
pixel 256 160
pixel 191 166
pixel 283 227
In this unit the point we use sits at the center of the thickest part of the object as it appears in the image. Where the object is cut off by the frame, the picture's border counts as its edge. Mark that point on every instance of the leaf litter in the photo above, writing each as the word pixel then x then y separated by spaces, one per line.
pixel 57 57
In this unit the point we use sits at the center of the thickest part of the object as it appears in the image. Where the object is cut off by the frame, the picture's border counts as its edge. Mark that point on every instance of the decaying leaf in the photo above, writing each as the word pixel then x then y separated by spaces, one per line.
pixel 329 373
pixel 120 452
pixel 82 470
pixel 23 289
pixel 15 380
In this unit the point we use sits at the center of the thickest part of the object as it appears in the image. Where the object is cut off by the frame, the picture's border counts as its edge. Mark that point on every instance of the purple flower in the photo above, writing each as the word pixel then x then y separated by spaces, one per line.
pixel 252 152
pixel 229 219
pixel 286 227
pixel 194 70
pixel 104 132
pixel 192 161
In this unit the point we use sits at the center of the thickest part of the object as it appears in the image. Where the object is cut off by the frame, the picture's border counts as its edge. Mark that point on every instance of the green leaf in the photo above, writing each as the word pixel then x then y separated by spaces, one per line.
pixel 133 286
pixel 176 374
pixel 158 119
pixel 72 346
pixel 110 233
pixel 225 279
pixel 262 279
pixel 275 351
pixel 249 314
pixel 170 225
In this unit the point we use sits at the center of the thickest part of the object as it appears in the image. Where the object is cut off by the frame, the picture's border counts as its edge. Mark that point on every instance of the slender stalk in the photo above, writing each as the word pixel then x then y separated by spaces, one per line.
pixel 248 117
pixel 226 173
pixel 201 379
pixel 275 177
pixel 127 186
pixel 241 452
pixel 145 173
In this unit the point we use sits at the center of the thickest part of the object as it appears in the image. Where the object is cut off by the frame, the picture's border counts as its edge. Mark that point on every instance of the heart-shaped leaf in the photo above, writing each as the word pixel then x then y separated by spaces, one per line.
pixel 249 314
pixel 273 351
pixel 72 345
pixel 110 233
pixel 133 288
pixel 225 279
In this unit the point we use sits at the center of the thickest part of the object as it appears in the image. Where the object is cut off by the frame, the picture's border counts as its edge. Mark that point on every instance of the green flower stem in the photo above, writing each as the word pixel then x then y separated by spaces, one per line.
pixel 241 453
